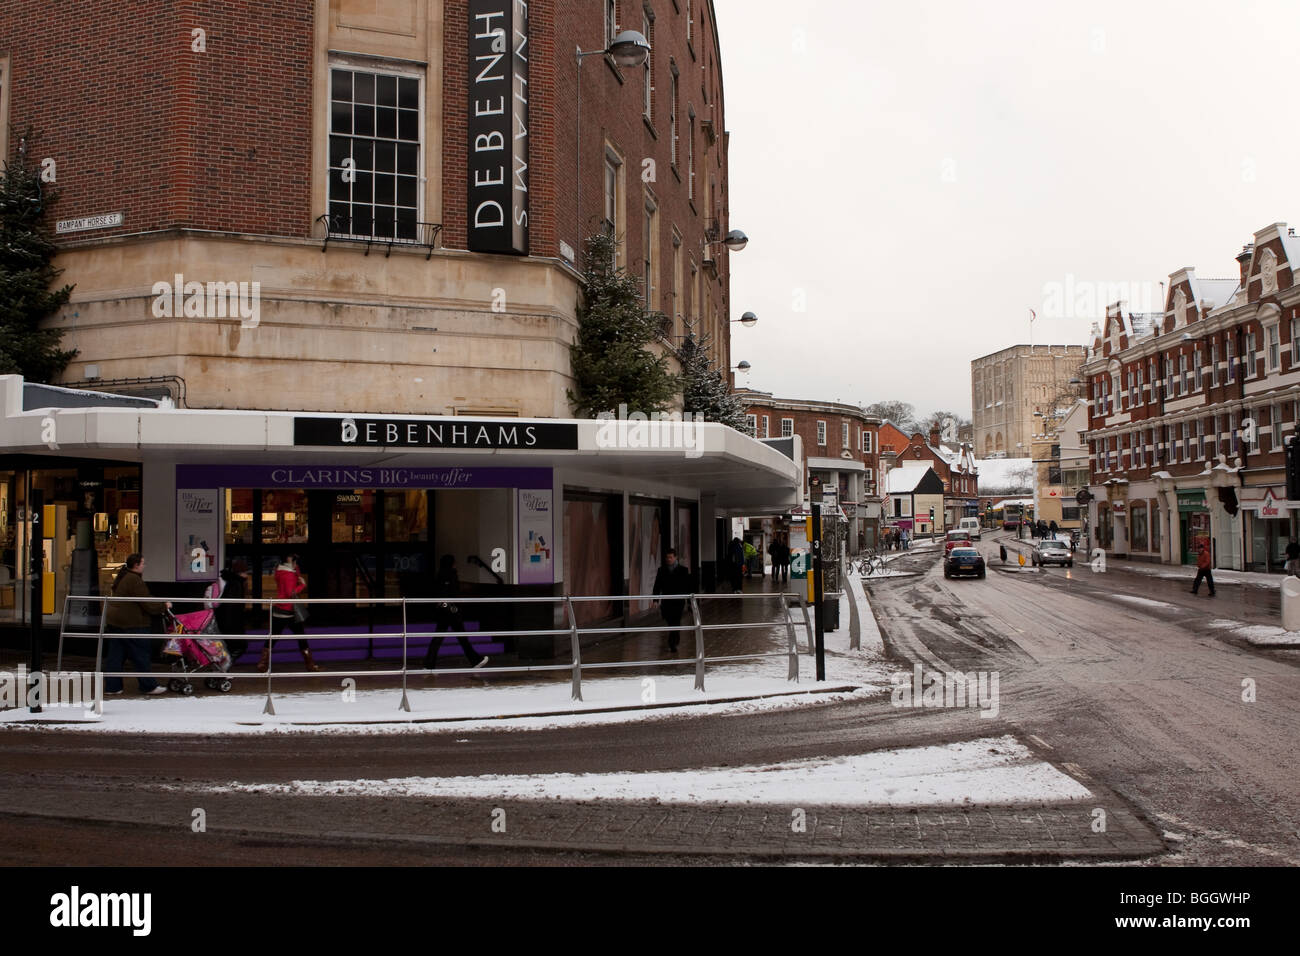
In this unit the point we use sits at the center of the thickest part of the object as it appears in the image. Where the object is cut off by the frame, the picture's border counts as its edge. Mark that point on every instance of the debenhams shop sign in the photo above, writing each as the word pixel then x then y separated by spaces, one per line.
pixel 498 126
pixel 461 433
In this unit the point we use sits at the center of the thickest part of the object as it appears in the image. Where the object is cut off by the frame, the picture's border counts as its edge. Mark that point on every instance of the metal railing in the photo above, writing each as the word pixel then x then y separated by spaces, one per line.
pixel 788 601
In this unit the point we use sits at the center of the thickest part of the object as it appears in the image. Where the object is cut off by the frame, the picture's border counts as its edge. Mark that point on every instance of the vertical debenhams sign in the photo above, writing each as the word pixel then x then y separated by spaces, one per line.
pixel 498 126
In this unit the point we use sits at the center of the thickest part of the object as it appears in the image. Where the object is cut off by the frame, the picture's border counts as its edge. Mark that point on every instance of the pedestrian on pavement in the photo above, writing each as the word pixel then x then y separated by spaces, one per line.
pixel 1203 568
pixel 447 616
pixel 907 540
pixel 773 552
pixel 1293 558
pixel 1002 552
pixel 673 578
pixel 785 559
pixel 232 586
pixel 289 615
pixel 131 617
pixel 736 553
pixel 1053 527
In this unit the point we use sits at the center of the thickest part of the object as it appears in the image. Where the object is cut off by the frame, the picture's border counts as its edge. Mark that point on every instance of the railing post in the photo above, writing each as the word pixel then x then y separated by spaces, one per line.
pixel 269 707
pixel 99 656
pixel 807 624
pixel 792 642
pixel 406 701
pixel 699 644
pixel 576 649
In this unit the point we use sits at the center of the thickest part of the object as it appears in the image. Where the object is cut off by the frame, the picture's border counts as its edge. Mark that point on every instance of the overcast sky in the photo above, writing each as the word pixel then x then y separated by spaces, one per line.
pixel 918 176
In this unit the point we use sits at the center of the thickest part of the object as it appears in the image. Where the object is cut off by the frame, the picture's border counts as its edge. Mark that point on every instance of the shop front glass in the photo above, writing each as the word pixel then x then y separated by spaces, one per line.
pixel 93 523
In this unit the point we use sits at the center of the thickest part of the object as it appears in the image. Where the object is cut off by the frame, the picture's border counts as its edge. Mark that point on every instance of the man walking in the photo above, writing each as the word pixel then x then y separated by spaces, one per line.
pixel 1293 558
pixel 1203 569
pixel 673 578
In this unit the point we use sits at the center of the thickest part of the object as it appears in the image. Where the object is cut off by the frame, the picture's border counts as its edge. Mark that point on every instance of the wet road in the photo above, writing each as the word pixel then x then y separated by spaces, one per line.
pixel 1121 676
pixel 1140 700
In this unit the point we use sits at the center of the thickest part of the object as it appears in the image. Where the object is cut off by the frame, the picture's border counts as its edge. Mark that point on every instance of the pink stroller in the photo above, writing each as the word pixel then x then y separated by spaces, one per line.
pixel 197 650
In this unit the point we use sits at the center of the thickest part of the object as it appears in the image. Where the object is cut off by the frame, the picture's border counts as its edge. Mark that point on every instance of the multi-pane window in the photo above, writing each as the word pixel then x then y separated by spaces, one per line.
pixel 1139 454
pixel 1214 364
pixel 766 432
pixel 1275 419
pixel 374 154
pixel 866 442
pixel 1273 347
pixel 1182 374
pixel 650 241
pixel 690 158
pixel 821 433
pixel 672 113
pixel 751 422
pixel 1187 441
pixel 1229 356
pixel 611 195
pixel 1196 370
pixel 844 435
pixel 1250 355
pixel 647 74
pixel 787 427
pixel 1200 438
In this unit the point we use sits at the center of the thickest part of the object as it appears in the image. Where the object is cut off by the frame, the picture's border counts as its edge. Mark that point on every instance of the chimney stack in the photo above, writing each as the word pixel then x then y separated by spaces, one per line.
pixel 1243 260
pixel 934 434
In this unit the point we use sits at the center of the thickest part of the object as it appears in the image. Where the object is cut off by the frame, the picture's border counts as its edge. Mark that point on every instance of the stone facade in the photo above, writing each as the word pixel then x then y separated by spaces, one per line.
pixel 1009 386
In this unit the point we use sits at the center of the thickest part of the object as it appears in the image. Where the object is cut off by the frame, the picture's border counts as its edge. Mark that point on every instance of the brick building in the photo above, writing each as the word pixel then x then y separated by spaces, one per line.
pixel 955 467
pixel 239 143
pixel 1189 411
pixel 329 233
pixel 840 448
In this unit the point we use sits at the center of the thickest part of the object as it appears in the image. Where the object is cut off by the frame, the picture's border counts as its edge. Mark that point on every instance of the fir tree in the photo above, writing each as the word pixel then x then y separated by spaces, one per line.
pixel 612 363
pixel 705 391
pixel 26 275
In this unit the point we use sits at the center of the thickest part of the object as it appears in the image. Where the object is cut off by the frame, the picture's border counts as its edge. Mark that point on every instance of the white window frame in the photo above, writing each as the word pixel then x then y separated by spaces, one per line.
pixel 766 430
pixel 821 434
pixel 844 436
pixel 381 68
pixel 1272 347
pixel 787 427
pixel 752 422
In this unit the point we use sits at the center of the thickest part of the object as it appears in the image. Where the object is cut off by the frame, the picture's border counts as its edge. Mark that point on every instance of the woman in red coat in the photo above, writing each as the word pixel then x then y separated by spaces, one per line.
pixel 289 583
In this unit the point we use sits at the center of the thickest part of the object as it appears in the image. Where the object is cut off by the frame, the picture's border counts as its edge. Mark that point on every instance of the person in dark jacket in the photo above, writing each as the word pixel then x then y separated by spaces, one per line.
pixel 447 615
pixel 131 617
pixel 1203 562
pixel 673 578
pixel 230 617
pixel 736 552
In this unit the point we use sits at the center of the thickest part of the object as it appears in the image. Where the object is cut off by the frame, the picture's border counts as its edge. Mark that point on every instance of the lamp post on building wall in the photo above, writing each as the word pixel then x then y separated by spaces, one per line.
pixel 629 49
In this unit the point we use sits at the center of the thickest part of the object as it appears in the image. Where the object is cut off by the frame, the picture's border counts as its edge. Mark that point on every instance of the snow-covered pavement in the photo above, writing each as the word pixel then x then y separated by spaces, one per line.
pixel 988 770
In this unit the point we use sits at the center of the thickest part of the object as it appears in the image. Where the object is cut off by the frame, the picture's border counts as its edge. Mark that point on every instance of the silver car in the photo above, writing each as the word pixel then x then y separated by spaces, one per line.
pixel 1053 552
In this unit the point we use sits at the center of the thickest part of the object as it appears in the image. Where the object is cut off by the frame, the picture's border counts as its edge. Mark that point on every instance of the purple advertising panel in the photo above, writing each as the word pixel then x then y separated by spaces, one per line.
pixel 357 476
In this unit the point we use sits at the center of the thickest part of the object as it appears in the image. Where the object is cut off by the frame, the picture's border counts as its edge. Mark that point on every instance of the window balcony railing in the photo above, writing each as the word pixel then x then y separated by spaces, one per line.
pixel 419 235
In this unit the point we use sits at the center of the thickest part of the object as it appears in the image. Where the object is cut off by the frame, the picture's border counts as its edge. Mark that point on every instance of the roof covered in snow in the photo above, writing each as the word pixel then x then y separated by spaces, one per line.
pixel 904 479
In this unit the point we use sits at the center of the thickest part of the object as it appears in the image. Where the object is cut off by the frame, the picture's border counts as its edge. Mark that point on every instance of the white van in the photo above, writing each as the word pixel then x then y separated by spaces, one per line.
pixel 971 525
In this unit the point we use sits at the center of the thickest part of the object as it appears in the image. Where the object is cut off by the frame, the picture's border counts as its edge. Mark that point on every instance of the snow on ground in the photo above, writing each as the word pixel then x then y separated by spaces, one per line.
pixel 1188 573
pixel 1261 635
pixel 991 770
pixel 1142 602
pixel 872 641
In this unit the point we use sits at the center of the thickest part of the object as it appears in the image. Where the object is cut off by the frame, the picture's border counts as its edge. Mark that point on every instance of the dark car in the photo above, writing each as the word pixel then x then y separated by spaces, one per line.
pixel 1052 551
pixel 963 561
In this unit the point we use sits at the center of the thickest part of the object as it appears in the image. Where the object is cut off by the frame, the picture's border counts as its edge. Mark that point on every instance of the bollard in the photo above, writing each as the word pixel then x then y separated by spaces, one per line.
pixel 1291 603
